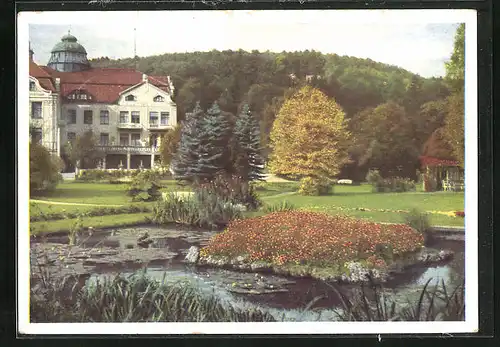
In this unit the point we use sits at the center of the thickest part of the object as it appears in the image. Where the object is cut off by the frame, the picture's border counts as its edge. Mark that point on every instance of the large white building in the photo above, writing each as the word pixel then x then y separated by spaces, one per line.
pixel 127 110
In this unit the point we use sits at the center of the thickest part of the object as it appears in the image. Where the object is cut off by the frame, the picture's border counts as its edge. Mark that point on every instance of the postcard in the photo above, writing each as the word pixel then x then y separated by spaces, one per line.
pixel 247 172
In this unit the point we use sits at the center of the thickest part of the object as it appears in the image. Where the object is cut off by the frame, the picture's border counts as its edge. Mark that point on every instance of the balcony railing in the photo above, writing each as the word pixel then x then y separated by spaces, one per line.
pixel 129 125
pixel 122 149
pixel 159 126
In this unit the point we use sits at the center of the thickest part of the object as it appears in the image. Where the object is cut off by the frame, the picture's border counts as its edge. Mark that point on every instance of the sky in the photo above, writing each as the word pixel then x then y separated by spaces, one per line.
pixel 418 41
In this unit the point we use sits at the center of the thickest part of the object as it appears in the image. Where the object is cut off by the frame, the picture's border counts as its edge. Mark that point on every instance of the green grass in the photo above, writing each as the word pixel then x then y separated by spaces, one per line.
pixel 95 222
pixel 393 201
pixel 344 197
pixel 350 197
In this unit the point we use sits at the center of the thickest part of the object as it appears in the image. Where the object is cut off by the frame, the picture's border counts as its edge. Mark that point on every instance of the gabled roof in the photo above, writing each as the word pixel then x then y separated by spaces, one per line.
pixel 42 76
pixel 104 84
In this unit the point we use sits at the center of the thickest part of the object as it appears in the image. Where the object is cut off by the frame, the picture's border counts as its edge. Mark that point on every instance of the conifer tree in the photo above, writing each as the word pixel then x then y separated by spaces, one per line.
pixel 214 135
pixel 249 162
pixel 185 161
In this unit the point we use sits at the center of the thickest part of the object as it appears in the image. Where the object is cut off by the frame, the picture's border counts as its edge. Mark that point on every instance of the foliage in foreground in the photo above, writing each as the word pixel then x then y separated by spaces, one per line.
pixel 300 236
pixel 373 303
pixel 138 298
pixel 44 169
pixel 133 299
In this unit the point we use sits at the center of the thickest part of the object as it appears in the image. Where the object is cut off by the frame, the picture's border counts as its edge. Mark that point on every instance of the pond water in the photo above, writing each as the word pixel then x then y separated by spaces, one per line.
pixel 285 298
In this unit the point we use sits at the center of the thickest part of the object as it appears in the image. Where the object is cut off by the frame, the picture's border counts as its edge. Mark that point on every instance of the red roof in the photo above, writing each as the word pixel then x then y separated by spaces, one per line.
pixel 431 161
pixel 103 84
pixel 42 76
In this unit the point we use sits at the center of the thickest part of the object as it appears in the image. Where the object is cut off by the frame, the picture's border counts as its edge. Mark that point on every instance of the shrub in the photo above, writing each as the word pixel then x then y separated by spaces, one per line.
pixel 460 214
pixel 394 185
pixel 420 222
pixel 145 186
pixel 214 211
pixel 280 206
pixel 202 209
pixel 44 169
pixel 315 186
pixel 101 211
pixel 176 209
pixel 373 176
pixel 300 236
pixel 233 189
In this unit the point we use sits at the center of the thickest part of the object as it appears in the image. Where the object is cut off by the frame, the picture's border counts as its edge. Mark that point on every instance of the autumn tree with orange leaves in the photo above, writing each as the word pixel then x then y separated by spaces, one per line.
pixel 309 137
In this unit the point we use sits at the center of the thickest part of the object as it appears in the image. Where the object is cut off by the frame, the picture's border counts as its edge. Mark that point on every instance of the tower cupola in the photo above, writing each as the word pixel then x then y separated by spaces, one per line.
pixel 68 55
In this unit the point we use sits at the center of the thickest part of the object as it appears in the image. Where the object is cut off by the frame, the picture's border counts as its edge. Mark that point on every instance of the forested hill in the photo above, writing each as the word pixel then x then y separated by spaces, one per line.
pixel 232 77
pixel 265 79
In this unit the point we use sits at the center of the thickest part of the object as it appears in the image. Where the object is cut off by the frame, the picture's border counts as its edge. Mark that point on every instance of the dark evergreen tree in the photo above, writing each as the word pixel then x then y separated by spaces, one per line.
pixel 249 162
pixel 185 162
pixel 214 138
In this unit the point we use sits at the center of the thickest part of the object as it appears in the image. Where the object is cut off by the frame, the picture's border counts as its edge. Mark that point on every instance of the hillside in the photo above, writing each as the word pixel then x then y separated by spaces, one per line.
pixel 264 79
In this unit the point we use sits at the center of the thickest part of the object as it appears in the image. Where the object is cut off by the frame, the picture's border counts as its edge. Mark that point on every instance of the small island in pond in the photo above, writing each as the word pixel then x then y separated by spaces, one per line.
pixel 318 245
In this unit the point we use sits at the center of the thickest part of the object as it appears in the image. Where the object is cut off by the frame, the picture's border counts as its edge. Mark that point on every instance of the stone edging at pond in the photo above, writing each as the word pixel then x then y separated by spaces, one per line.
pixel 356 271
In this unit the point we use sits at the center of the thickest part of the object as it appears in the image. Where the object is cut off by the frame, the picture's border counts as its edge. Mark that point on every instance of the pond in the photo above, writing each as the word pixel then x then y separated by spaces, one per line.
pixel 109 253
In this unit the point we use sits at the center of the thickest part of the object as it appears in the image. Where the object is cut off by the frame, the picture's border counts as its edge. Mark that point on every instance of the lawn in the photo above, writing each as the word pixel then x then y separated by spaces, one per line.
pixel 98 194
pixel 95 222
pixel 345 200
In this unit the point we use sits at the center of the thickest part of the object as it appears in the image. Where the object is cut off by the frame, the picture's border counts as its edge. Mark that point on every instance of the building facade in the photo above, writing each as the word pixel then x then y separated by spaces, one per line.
pixel 126 110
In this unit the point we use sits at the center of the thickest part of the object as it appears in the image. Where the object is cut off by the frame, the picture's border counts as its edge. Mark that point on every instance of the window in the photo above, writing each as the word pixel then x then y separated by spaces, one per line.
pixel 130 98
pixel 123 139
pixel 71 137
pixel 153 118
pixel 136 117
pixel 82 96
pixel 87 117
pixel 71 116
pixel 164 118
pixel 159 98
pixel 136 139
pixel 32 86
pixel 104 117
pixel 36 135
pixel 36 110
pixel 123 117
pixel 104 139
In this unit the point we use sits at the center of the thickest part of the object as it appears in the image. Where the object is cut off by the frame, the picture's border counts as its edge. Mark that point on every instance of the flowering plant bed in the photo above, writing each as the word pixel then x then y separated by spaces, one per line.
pixel 305 243
pixel 460 214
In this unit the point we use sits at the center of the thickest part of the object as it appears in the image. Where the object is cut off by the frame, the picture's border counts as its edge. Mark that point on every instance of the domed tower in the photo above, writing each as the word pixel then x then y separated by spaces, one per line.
pixel 68 55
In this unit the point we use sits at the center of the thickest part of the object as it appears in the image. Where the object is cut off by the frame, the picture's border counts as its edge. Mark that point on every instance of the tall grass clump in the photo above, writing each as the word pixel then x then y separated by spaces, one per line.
pixel 280 207
pixel 420 221
pixel 202 209
pixel 136 298
pixel 373 303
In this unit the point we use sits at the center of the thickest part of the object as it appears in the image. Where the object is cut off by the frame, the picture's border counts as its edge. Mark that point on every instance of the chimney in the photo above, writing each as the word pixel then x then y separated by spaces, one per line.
pixel 58 84
pixel 144 77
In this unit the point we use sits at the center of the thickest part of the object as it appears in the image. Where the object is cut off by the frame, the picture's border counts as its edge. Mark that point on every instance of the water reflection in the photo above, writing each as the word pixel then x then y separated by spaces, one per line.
pixel 289 306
